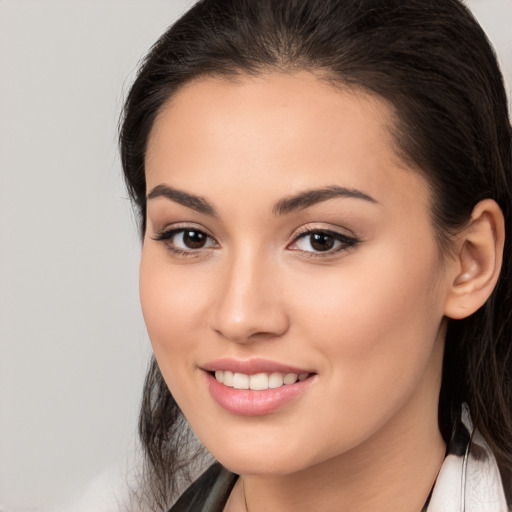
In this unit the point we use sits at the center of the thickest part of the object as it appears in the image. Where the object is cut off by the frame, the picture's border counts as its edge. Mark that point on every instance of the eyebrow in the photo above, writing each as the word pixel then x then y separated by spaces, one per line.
pixel 299 201
pixel 308 198
pixel 197 203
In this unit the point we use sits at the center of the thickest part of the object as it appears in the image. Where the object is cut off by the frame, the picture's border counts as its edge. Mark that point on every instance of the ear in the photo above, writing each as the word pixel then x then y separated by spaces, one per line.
pixel 479 252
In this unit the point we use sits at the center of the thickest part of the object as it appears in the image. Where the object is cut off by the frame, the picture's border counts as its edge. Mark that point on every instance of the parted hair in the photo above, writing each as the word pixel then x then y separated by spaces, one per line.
pixel 432 62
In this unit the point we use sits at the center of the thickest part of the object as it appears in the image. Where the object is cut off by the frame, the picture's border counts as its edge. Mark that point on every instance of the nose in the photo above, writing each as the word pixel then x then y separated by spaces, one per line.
pixel 249 306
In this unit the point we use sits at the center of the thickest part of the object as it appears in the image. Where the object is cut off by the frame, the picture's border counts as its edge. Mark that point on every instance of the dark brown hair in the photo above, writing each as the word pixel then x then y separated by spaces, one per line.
pixel 433 63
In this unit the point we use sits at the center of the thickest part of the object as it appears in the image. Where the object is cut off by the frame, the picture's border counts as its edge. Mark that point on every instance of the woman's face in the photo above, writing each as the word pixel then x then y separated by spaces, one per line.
pixel 285 238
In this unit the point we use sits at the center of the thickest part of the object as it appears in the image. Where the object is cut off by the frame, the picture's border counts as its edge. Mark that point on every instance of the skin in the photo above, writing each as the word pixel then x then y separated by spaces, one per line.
pixel 368 319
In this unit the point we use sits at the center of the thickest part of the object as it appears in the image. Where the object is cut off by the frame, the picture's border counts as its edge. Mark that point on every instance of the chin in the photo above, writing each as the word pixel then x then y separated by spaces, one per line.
pixel 266 456
pixel 261 466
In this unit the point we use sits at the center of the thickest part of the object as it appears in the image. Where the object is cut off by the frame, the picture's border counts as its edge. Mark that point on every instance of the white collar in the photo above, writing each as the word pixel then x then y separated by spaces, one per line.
pixel 469 482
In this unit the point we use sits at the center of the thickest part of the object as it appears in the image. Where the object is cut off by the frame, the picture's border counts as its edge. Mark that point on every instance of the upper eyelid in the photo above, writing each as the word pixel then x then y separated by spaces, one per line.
pixel 306 230
pixel 177 227
pixel 340 237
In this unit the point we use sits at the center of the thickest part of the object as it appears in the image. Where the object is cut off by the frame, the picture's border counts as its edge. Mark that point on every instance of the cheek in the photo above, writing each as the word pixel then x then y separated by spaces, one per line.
pixel 363 300
pixel 173 303
pixel 376 329
pixel 376 320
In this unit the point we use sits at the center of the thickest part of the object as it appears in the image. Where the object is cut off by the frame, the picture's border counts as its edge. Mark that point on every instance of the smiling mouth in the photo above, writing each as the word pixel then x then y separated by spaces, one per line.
pixel 256 387
pixel 258 381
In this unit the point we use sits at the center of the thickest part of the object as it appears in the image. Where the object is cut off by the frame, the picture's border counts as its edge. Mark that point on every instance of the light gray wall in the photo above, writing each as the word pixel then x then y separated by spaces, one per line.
pixel 72 343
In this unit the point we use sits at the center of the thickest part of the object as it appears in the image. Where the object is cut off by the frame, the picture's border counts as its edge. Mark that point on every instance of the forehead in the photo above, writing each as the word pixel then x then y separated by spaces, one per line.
pixel 281 131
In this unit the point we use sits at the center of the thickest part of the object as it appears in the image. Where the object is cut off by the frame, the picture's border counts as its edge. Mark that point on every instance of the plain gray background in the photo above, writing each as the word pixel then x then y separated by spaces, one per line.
pixel 73 347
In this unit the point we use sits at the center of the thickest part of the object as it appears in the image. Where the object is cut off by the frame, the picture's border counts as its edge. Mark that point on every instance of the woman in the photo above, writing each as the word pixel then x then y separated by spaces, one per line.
pixel 323 190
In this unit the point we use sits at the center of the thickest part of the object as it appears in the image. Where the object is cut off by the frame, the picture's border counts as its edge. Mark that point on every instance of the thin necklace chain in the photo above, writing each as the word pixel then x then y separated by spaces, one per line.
pixel 245 498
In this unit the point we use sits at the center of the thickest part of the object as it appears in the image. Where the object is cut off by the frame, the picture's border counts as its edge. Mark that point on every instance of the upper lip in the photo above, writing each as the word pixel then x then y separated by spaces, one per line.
pixel 251 366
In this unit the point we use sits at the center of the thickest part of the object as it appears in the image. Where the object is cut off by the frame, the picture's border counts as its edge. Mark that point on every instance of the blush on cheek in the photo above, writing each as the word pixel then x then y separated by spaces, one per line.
pixel 170 337
pixel 362 319
pixel 169 298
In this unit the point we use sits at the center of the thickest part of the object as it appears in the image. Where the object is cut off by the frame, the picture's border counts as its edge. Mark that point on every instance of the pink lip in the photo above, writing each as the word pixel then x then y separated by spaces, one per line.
pixel 247 402
pixel 252 366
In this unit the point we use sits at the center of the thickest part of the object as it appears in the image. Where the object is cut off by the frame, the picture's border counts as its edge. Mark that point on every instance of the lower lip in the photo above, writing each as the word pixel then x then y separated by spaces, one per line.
pixel 247 402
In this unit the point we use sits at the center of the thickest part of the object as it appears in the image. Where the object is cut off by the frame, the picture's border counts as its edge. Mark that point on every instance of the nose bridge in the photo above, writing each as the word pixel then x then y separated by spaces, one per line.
pixel 248 305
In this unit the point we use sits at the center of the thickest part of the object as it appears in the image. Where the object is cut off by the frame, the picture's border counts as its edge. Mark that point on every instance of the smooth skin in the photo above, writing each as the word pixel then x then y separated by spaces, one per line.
pixel 362 301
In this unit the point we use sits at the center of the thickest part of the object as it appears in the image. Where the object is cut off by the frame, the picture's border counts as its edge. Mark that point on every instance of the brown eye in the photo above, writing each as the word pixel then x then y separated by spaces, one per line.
pixel 186 240
pixel 194 239
pixel 321 241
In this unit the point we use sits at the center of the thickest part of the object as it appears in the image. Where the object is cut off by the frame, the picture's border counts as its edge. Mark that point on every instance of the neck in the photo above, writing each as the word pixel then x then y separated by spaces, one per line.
pixel 398 478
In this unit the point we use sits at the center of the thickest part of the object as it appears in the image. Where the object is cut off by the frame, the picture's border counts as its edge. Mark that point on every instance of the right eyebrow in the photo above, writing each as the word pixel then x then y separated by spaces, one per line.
pixel 197 203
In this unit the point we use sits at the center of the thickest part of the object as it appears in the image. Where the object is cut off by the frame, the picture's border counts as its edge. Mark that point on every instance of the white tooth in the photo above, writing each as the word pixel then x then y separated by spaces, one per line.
pixel 290 378
pixel 303 376
pixel 258 381
pixel 228 379
pixel 240 381
pixel 219 375
pixel 275 380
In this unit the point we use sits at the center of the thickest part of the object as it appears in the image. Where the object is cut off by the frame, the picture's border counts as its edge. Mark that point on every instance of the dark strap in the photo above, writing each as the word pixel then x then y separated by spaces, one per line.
pixel 209 493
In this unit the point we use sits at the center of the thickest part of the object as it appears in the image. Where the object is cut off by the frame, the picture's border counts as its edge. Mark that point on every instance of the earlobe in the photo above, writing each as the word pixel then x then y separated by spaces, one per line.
pixel 477 265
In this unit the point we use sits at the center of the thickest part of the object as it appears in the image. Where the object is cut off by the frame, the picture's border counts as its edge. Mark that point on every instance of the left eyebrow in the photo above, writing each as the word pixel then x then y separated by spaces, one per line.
pixel 309 198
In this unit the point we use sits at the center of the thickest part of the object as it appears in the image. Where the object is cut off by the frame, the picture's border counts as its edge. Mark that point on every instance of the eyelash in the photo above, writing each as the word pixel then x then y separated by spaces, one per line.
pixel 345 242
pixel 166 237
